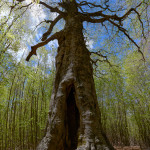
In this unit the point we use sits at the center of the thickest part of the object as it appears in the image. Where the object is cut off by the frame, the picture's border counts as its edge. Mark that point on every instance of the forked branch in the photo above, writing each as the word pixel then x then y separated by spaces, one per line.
pixel 52 9
pixel 129 12
pixel 45 21
pixel 92 20
pixel 46 34
pixel 35 47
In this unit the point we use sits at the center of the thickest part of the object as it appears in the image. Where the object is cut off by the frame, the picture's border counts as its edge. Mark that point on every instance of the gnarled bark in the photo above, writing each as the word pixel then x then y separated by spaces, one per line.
pixel 74 116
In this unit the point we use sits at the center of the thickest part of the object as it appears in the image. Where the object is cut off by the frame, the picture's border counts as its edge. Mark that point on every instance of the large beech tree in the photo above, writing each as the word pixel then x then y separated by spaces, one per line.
pixel 74 120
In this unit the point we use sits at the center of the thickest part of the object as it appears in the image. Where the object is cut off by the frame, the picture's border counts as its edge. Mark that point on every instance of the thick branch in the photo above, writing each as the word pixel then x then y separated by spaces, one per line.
pixel 100 13
pixel 46 34
pixel 35 47
pixel 89 19
pixel 46 21
pixel 53 9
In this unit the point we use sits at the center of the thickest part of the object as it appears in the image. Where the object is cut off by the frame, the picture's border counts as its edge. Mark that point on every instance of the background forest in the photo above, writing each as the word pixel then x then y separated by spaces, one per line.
pixel 122 84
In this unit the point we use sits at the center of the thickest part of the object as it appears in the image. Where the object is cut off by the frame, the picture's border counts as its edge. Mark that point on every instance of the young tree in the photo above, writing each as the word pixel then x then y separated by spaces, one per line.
pixel 74 117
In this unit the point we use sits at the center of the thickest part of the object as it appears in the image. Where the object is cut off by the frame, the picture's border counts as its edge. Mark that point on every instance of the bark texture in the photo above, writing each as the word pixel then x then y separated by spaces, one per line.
pixel 74 118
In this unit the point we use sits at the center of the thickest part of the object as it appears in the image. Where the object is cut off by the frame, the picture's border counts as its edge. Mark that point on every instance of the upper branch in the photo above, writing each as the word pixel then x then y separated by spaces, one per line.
pixel 46 34
pixel 46 21
pixel 113 17
pixel 52 9
pixel 128 36
pixel 89 19
pixel 129 12
pixel 35 47
pixel 91 5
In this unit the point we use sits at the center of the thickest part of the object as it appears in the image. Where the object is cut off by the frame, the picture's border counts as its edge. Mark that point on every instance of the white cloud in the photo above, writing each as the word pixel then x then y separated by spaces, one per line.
pixel 36 13
pixel 89 44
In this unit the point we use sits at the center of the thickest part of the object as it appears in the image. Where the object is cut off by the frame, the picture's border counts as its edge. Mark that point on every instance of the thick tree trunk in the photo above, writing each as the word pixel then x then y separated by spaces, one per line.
pixel 74 118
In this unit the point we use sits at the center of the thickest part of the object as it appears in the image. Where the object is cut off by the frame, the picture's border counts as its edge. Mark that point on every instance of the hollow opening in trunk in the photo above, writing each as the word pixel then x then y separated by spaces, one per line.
pixel 72 121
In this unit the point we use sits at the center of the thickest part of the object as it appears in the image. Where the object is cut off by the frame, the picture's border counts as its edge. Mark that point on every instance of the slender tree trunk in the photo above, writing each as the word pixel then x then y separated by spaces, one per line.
pixel 74 117
pixel 31 122
pixel 7 112
pixel 36 118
